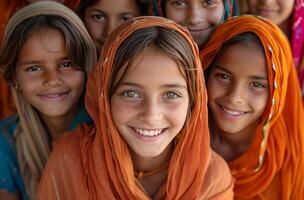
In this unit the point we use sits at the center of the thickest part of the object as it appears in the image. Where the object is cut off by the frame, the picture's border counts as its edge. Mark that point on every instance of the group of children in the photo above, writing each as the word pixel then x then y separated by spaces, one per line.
pixel 193 103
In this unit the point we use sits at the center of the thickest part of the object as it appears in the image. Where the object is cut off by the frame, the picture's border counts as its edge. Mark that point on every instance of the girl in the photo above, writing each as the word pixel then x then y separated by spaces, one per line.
pixel 261 136
pixel 7 9
pixel 45 55
pixel 199 16
pixel 150 139
pixel 288 15
pixel 101 17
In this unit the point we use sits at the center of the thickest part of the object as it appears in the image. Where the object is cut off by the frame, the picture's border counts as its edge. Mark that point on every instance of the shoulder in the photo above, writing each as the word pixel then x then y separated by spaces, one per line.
pixel 218 182
pixel 9 124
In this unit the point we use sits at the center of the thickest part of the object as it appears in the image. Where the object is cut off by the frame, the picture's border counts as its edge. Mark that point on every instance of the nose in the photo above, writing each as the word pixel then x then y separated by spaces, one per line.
pixel 151 112
pixel 52 78
pixel 236 94
pixel 195 15
pixel 111 25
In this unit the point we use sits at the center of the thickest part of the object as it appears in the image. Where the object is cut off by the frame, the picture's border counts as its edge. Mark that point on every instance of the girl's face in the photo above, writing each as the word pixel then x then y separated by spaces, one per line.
pixel 199 16
pixel 103 17
pixel 238 88
pixel 150 105
pixel 275 10
pixel 46 76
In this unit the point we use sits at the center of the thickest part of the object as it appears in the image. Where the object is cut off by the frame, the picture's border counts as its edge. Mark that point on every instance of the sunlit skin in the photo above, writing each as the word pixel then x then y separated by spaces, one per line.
pixel 238 92
pixel 103 17
pixel 147 103
pixel 277 11
pixel 48 79
pixel 199 16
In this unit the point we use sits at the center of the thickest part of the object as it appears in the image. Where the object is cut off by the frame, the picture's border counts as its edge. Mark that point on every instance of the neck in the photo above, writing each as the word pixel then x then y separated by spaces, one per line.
pixel 57 125
pixel 146 164
pixel 231 145
pixel 285 27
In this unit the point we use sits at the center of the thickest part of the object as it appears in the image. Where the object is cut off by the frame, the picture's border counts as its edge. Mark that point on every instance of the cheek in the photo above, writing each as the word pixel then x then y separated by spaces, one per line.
pixel 122 111
pixel 259 102
pixel 95 29
pixel 178 16
pixel 177 113
pixel 214 16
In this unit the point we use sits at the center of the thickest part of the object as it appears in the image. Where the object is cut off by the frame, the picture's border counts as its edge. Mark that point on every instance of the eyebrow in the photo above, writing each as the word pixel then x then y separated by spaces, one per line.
pixel 251 77
pixel 33 62
pixel 173 85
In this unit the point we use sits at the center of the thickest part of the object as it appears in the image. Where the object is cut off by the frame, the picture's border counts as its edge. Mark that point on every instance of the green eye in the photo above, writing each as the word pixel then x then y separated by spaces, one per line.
pixel 171 95
pixel 131 94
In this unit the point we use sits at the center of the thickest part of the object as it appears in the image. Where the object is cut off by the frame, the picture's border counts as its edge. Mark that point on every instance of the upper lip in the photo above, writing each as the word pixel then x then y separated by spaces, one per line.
pixel 198 29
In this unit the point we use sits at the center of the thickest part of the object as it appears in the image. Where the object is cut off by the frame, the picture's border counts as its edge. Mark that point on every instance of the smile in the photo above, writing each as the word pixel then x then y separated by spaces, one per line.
pixel 54 96
pixel 231 114
pixel 149 133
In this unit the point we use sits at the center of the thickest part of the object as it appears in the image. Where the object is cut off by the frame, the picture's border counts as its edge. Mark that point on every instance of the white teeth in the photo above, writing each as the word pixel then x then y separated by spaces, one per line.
pixel 233 113
pixel 148 132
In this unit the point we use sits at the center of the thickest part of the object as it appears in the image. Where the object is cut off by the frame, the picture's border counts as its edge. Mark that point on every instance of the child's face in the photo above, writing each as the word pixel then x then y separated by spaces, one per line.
pixel 45 75
pixel 238 88
pixel 199 16
pixel 103 17
pixel 275 10
pixel 150 105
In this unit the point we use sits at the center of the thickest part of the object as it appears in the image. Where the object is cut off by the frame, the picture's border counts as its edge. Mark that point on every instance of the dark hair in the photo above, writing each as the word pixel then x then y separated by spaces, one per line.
pixel 84 4
pixel 10 51
pixel 243 38
pixel 169 41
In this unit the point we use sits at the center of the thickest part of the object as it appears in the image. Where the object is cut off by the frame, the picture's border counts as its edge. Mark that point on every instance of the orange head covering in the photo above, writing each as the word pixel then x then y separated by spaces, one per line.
pixel 106 169
pixel 277 148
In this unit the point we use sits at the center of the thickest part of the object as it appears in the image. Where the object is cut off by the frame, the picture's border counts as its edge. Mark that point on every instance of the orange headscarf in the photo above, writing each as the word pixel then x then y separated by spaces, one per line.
pixel 95 163
pixel 7 9
pixel 273 166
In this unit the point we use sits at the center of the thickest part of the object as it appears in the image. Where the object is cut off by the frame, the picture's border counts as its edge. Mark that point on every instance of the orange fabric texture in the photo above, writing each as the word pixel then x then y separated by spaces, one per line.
pixel 7 9
pixel 273 166
pixel 95 163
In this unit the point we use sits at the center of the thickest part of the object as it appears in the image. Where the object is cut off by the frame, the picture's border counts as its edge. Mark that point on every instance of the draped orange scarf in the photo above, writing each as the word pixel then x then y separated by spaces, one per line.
pixel 273 166
pixel 95 163
pixel 7 9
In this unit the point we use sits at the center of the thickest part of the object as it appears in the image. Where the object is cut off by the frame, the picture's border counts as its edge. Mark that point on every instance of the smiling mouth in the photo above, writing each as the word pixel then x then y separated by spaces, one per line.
pixel 150 133
pixel 53 96
pixel 232 113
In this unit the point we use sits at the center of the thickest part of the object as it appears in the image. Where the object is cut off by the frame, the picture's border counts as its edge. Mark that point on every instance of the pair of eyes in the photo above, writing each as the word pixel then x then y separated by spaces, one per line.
pixel 34 68
pixel 101 17
pixel 136 94
pixel 185 3
pixel 226 79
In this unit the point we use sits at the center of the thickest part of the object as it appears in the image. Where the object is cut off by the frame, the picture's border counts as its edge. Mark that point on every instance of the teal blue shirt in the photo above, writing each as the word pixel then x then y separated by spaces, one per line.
pixel 10 176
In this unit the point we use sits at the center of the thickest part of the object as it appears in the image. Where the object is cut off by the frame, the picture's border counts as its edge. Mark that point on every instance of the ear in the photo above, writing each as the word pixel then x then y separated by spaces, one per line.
pixel 15 82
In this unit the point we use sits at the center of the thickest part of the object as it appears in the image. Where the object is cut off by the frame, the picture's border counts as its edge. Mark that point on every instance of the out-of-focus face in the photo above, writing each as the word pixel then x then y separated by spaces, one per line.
pixel 103 17
pixel 238 89
pixel 199 16
pixel 150 109
pixel 275 10
pixel 47 77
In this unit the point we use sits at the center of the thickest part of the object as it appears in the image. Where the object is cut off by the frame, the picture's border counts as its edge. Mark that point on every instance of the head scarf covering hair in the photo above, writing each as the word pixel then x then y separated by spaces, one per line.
pixel 106 168
pixel 277 149
pixel 230 8
pixel 297 40
pixel 33 147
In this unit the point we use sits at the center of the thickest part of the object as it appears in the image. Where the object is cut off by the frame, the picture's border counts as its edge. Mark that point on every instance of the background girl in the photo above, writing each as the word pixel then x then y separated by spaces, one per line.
pixel 45 55
pixel 150 138
pixel 199 16
pixel 289 16
pixel 101 17
pixel 250 75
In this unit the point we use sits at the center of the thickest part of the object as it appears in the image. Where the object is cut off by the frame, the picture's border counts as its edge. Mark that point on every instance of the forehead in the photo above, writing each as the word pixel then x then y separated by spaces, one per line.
pixel 244 58
pixel 116 7
pixel 155 66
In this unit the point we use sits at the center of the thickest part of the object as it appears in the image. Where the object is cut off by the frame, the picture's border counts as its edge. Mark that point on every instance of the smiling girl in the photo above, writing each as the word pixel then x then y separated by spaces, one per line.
pixel 45 55
pixel 258 131
pixel 150 139
pixel 101 17
pixel 199 16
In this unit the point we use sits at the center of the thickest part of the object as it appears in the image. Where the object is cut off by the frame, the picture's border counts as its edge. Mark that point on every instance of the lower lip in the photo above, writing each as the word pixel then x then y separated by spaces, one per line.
pixel 228 116
pixel 149 138
pixel 266 12
pixel 199 33
pixel 60 97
